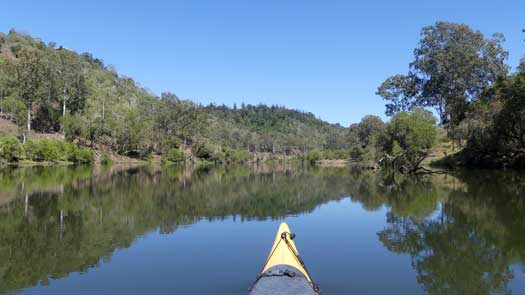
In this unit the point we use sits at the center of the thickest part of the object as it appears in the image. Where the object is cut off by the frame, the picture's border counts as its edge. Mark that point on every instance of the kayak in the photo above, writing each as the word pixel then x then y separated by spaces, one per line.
pixel 284 272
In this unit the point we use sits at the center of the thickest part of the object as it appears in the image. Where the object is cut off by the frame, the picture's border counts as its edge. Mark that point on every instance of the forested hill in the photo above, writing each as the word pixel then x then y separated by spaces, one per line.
pixel 45 88
pixel 273 129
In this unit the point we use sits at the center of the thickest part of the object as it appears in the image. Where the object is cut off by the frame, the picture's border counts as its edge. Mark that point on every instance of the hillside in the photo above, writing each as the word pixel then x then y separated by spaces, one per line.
pixel 272 129
pixel 46 88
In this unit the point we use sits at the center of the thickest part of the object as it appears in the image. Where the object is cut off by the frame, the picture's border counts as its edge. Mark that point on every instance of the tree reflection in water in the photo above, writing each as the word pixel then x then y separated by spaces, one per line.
pixel 463 232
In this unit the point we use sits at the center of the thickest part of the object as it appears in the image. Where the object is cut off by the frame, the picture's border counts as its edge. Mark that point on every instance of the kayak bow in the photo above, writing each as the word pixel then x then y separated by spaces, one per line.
pixel 284 271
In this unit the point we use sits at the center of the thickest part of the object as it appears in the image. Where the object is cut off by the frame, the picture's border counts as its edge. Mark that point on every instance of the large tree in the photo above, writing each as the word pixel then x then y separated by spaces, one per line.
pixel 30 75
pixel 452 67
pixel 368 127
pixel 71 81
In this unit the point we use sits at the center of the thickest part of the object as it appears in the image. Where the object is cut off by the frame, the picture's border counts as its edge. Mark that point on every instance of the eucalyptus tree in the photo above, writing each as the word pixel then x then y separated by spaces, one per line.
pixel 369 126
pixel 3 84
pixel 453 66
pixel 30 74
pixel 179 119
pixel 71 81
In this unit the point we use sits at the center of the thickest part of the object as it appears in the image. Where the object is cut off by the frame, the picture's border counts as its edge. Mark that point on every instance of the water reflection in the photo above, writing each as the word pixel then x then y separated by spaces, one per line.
pixel 469 247
pixel 463 232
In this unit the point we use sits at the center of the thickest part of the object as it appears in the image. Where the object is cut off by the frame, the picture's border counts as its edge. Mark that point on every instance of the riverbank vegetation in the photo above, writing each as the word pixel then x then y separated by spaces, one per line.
pixel 457 72
pixel 463 76
pixel 43 150
pixel 49 89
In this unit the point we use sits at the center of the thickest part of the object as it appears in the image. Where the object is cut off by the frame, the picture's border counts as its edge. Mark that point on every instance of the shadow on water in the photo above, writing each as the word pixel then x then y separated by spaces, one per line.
pixel 463 232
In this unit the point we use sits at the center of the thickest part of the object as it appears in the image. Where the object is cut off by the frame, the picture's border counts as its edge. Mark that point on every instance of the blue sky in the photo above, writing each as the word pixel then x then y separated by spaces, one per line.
pixel 325 57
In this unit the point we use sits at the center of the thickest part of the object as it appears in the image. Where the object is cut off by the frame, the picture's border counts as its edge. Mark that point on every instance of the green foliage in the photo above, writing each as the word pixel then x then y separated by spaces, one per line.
pixel 369 127
pixel 175 156
pixel 313 156
pixel 342 154
pixel 178 121
pixel 402 93
pixel 15 109
pixel 74 127
pixel 204 151
pixel 10 149
pixel 495 128
pixel 236 156
pixel 81 155
pixel 203 164
pixel 95 106
pixel 356 153
pixel 453 66
pixel 339 154
pixel 105 159
pixel 42 150
pixel 328 154
pixel 364 133
pixel 56 150
pixel 411 134
pixel 273 129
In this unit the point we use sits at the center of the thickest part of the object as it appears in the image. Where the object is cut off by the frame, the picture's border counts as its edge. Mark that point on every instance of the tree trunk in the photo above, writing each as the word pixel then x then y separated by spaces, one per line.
pixel 26 205
pixel 63 114
pixel 29 118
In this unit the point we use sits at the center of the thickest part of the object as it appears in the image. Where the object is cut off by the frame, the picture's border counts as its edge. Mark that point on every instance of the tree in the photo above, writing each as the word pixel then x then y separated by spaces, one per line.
pixel 510 121
pixel 452 67
pixel 179 118
pixel 402 91
pixel 71 81
pixel 3 82
pixel 169 97
pixel 521 67
pixel 368 127
pixel 408 139
pixel 30 72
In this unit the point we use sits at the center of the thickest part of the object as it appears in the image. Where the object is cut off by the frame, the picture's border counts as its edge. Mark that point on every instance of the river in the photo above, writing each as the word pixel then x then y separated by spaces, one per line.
pixel 171 230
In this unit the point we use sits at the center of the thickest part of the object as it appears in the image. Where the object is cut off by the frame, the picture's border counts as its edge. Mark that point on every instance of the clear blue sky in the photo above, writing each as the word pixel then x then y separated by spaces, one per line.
pixel 325 57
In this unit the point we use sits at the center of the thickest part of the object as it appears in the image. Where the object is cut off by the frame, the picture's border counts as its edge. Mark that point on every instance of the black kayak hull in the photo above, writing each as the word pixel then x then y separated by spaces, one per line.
pixel 282 280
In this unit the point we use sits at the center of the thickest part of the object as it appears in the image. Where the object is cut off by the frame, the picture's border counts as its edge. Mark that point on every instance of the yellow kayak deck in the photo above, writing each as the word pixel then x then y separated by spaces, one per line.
pixel 284 252
pixel 284 272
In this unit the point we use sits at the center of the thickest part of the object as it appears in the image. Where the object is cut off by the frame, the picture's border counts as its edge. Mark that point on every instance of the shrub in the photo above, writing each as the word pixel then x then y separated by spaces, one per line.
pixel 234 156
pixel 313 156
pixel 41 150
pixel 81 155
pixel 175 156
pixel 342 154
pixel 409 136
pixel 10 149
pixel 205 152
pixel 16 108
pixel 356 153
pixel 56 150
pixel 73 127
pixel 105 158
pixel 328 154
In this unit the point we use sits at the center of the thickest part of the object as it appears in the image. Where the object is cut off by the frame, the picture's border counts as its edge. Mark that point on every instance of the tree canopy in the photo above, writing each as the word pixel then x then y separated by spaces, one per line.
pixel 452 67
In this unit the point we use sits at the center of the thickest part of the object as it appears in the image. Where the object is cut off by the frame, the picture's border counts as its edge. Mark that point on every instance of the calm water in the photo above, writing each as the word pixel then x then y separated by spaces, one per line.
pixel 117 230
